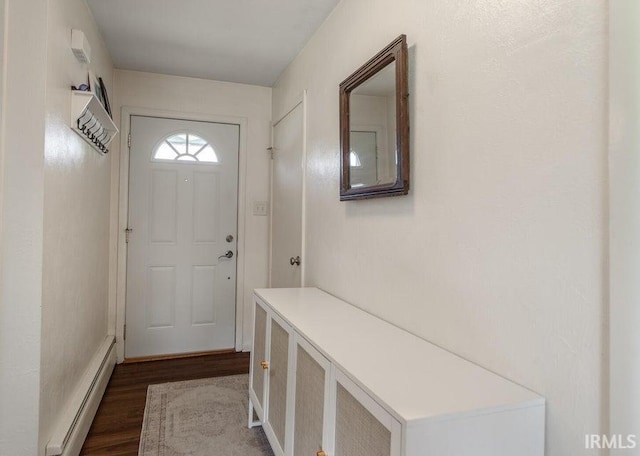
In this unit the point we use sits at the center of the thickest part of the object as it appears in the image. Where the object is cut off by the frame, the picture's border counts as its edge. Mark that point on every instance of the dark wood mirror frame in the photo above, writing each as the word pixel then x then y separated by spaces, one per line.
pixel 396 52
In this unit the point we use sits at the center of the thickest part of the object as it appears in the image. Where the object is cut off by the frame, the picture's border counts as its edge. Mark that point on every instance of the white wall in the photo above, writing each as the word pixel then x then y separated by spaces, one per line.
pixel 3 68
pixel 21 226
pixel 624 178
pixel 499 252
pixel 76 220
pixel 55 221
pixel 185 96
pixel 2 71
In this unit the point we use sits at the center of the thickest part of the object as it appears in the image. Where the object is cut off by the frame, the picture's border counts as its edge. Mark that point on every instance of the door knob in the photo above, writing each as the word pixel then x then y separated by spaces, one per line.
pixel 229 254
pixel 295 261
pixel 321 453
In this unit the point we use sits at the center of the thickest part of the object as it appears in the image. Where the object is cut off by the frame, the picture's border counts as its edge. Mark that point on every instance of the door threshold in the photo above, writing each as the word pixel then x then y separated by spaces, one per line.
pixel 144 359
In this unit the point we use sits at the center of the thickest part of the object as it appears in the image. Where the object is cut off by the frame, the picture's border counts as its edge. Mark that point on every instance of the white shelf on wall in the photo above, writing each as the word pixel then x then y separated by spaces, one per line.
pixel 91 121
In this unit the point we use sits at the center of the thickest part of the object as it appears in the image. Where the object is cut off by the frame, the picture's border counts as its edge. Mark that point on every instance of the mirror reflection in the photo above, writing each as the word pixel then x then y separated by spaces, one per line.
pixel 372 130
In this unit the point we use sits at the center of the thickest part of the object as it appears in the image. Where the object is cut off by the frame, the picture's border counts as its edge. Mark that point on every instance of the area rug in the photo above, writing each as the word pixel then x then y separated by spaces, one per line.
pixel 205 417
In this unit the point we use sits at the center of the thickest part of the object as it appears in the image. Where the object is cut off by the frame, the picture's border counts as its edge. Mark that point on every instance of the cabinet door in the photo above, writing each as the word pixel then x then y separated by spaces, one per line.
pixel 311 427
pixel 362 426
pixel 259 361
pixel 277 420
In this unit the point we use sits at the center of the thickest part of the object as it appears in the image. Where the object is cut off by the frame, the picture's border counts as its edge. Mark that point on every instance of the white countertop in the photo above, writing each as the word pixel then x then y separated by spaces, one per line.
pixel 412 378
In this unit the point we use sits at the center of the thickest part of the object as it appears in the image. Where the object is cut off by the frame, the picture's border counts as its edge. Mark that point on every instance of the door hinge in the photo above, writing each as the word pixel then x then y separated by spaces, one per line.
pixel 124 336
pixel 270 149
pixel 127 232
pixel 129 141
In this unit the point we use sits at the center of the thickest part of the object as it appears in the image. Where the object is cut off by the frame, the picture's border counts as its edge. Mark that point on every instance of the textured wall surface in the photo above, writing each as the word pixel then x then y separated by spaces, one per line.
pixel 76 220
pixel 499 251
pixel 624 173
pixel 21 212
pixel 202 97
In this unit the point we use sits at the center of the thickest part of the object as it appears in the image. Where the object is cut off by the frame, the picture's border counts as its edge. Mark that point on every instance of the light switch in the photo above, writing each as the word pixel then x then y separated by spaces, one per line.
pixel 261 208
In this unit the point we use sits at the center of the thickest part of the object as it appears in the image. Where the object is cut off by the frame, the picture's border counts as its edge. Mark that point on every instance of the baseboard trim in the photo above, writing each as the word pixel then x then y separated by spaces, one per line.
pixel 74 424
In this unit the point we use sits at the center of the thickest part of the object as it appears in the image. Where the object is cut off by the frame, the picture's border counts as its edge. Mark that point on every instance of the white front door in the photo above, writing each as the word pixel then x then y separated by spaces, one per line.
pixel 286 200
pixel 181 256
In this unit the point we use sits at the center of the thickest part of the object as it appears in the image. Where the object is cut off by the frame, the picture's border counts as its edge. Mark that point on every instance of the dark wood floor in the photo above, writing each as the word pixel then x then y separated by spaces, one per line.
pixel 116 427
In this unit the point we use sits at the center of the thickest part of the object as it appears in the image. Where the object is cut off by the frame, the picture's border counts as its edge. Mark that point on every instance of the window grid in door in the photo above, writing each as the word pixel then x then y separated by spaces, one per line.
pixel 185 147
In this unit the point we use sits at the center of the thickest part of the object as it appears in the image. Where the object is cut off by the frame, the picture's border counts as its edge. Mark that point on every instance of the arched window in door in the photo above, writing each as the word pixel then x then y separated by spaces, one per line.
pixel 185 147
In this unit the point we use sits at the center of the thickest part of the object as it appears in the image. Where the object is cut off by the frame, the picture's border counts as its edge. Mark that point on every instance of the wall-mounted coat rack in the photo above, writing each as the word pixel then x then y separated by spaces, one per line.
pixel 90 120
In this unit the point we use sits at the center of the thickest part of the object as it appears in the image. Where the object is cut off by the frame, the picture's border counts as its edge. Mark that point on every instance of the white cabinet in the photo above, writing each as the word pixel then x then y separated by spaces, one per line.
pixel 271 378
pixel 362 427
pixel 259 364
pixel 332 414
pixel 313 398
pixel 341 382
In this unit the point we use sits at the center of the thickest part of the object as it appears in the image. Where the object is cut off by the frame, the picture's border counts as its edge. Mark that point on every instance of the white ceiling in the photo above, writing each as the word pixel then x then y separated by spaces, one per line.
pixel 247 41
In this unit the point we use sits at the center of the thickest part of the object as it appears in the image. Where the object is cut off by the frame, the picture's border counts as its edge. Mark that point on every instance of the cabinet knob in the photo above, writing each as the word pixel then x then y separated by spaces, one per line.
pixel 265 365
pixel 321 453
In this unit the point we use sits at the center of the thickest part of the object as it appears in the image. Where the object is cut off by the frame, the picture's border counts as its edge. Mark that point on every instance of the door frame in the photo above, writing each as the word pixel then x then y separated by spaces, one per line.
pixel 123 212
pixel 301 99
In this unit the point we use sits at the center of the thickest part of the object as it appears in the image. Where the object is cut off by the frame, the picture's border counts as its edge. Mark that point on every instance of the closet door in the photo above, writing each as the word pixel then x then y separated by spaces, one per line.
pixel 312 431
pixel 362 426
pixel 259 361
pixel 277 421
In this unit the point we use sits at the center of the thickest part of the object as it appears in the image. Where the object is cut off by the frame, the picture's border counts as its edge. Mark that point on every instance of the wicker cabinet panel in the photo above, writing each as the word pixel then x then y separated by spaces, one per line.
pixel 278 372
pixel 309 404
pixel 358 432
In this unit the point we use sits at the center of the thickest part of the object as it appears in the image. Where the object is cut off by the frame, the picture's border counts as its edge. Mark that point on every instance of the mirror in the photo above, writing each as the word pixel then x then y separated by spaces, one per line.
pixel 374 126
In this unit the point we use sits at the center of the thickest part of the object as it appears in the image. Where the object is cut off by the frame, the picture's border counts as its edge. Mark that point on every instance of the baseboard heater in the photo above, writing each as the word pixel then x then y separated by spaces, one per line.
pixel 75 421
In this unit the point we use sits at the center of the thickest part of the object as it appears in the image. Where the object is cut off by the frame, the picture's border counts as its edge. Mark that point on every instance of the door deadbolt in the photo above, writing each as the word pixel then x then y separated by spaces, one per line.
pixel 295 261
pixel 229 238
